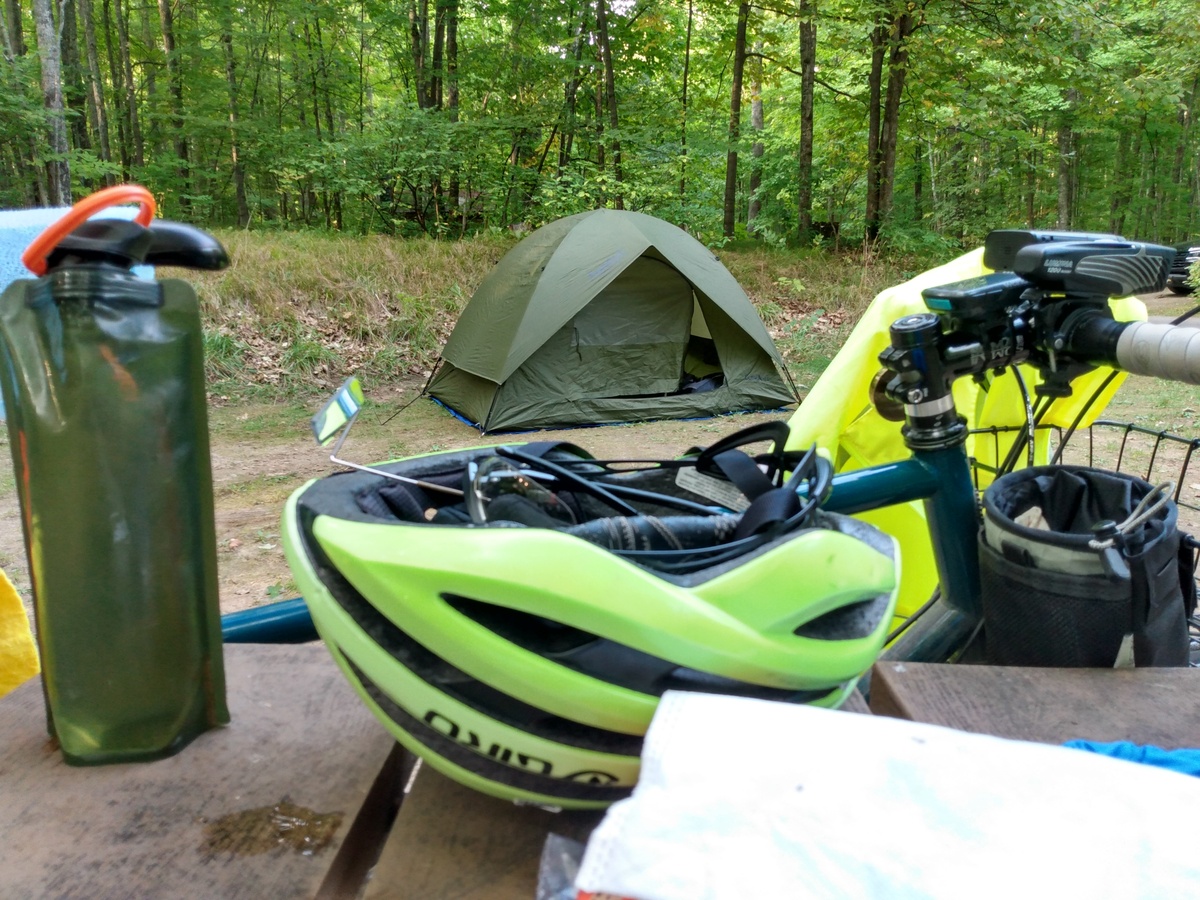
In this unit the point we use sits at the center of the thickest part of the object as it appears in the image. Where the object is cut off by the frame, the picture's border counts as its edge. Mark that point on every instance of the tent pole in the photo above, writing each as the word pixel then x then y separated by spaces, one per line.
pixel 788 375
pixel 428 381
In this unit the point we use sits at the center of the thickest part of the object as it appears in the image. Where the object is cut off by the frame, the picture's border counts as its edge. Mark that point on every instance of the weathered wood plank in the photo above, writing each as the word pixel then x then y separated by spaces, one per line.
pixel 299 736
pixel 855 703
pixel 1146 706
pixel 452 843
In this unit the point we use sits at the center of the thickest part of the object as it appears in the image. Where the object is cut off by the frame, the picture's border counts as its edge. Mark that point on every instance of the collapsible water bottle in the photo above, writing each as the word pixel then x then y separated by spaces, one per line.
pixel 103 381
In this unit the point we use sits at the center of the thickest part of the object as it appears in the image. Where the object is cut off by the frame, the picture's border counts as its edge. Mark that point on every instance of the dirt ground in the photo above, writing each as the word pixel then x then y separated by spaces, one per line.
pixel 260 454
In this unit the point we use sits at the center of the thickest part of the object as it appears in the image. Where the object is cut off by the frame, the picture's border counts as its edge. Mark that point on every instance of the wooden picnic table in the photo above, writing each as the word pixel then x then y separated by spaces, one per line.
pixel 303 750
pixel 212 821
pixel 1145 706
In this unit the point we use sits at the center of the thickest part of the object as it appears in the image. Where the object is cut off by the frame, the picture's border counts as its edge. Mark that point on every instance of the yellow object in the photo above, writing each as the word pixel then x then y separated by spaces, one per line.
pixel 18 655
pixel 837 415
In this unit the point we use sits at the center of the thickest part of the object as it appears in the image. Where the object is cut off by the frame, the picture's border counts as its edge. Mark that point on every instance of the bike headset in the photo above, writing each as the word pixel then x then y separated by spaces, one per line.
pixel 526 662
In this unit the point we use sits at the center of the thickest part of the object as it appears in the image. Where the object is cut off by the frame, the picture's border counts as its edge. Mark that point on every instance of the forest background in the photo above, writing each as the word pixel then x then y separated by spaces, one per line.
pixel 917 125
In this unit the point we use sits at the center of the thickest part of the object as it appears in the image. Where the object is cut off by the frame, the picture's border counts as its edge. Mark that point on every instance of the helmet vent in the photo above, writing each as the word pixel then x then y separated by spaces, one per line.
pixel 544 636
pixel 846 623
pixel 610 661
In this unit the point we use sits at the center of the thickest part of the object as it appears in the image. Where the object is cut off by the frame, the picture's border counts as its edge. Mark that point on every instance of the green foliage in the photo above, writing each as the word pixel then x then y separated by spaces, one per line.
pixel 224 356
pixel 355 117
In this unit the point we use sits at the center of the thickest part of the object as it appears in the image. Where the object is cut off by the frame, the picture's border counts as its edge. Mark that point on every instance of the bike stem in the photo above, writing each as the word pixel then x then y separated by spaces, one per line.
pixel 938 473
pixel 925 368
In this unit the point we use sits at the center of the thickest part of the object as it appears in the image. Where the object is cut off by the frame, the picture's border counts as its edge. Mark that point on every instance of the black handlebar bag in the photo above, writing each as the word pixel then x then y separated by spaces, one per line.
pixel 1083 567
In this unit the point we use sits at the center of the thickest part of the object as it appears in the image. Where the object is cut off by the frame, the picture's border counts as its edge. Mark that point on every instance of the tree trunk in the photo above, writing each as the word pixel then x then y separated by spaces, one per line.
pixel 1032 163
pixel 239 172
pixel 148 23
pixel 935 209
pixel 16 32
pixel 364 89
pixel 418 26
pixel 436 79
pixel 136 147
pixel 808 74
pixel 874 95
pixel 452 98
pixel 58 167
pixel 598 98
pixel 175 85
pixel 29 175
pixel 1065 143
pixel 452 59
pixel 756 128
pixel 1031 193
pixel 610 98
pixel 1120 194
pixel 687 63
pixel 918 184
pixel 74 94
pixel 96 94
pixel 888 40
pixel 333 192
pixel 1151 208
pixel 1179 184
pixel 735 119
pixel 315 96
pixel 902 28
pixel 959 192
pixel 571 93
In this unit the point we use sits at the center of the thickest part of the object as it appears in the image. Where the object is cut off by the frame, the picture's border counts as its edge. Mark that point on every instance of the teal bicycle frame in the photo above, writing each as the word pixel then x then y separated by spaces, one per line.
pixel 942 480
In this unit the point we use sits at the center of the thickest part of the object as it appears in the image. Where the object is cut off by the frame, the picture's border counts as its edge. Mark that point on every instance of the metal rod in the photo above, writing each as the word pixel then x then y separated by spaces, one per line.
pixel 428 485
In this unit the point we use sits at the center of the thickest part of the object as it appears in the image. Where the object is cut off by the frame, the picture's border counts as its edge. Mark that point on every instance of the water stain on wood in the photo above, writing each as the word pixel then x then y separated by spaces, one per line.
pixel 284 826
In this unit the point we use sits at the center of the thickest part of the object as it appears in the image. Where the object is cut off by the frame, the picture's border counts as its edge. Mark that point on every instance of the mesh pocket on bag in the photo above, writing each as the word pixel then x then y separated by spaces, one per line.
pixel 1036 617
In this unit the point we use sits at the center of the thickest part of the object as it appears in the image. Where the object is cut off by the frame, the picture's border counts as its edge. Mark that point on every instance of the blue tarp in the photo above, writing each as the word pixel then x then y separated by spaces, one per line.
pixel 1185 761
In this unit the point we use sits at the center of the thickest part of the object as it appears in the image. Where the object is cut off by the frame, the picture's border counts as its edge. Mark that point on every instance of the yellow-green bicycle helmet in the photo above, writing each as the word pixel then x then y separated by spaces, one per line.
pixel 518 638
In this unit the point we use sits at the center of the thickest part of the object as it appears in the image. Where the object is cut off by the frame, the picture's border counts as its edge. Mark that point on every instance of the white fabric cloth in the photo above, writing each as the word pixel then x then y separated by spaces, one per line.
pixel 747 800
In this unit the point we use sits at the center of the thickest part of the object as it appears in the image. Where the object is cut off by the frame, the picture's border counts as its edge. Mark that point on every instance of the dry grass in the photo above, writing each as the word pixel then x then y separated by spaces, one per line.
pixel 811 300
pixel 297 312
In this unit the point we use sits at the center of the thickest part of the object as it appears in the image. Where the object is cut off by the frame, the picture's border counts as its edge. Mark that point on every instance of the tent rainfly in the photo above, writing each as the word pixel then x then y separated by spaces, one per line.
pixel 607 316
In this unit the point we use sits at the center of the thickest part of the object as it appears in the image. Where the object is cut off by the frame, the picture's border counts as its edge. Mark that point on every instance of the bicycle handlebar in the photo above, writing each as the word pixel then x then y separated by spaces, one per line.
pixel 1051 310
pixel 1141 348
pixel 1160 350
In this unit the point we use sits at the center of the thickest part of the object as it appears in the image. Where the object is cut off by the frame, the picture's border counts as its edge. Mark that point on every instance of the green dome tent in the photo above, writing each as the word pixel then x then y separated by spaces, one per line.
pixel 607 316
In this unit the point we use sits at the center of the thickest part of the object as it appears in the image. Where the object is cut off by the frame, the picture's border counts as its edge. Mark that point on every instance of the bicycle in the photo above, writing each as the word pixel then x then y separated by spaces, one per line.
pixel 1051 312
pixel 478 649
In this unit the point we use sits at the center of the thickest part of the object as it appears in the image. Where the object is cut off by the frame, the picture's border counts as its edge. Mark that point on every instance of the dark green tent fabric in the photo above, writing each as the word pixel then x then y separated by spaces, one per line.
pixel 601 317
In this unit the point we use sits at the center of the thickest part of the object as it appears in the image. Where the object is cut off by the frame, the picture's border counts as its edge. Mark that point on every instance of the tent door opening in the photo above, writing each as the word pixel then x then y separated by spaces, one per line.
pixel 635 338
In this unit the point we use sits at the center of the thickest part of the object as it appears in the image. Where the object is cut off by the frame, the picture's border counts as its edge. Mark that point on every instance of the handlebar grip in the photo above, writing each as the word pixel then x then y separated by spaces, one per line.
pixel 1161 351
